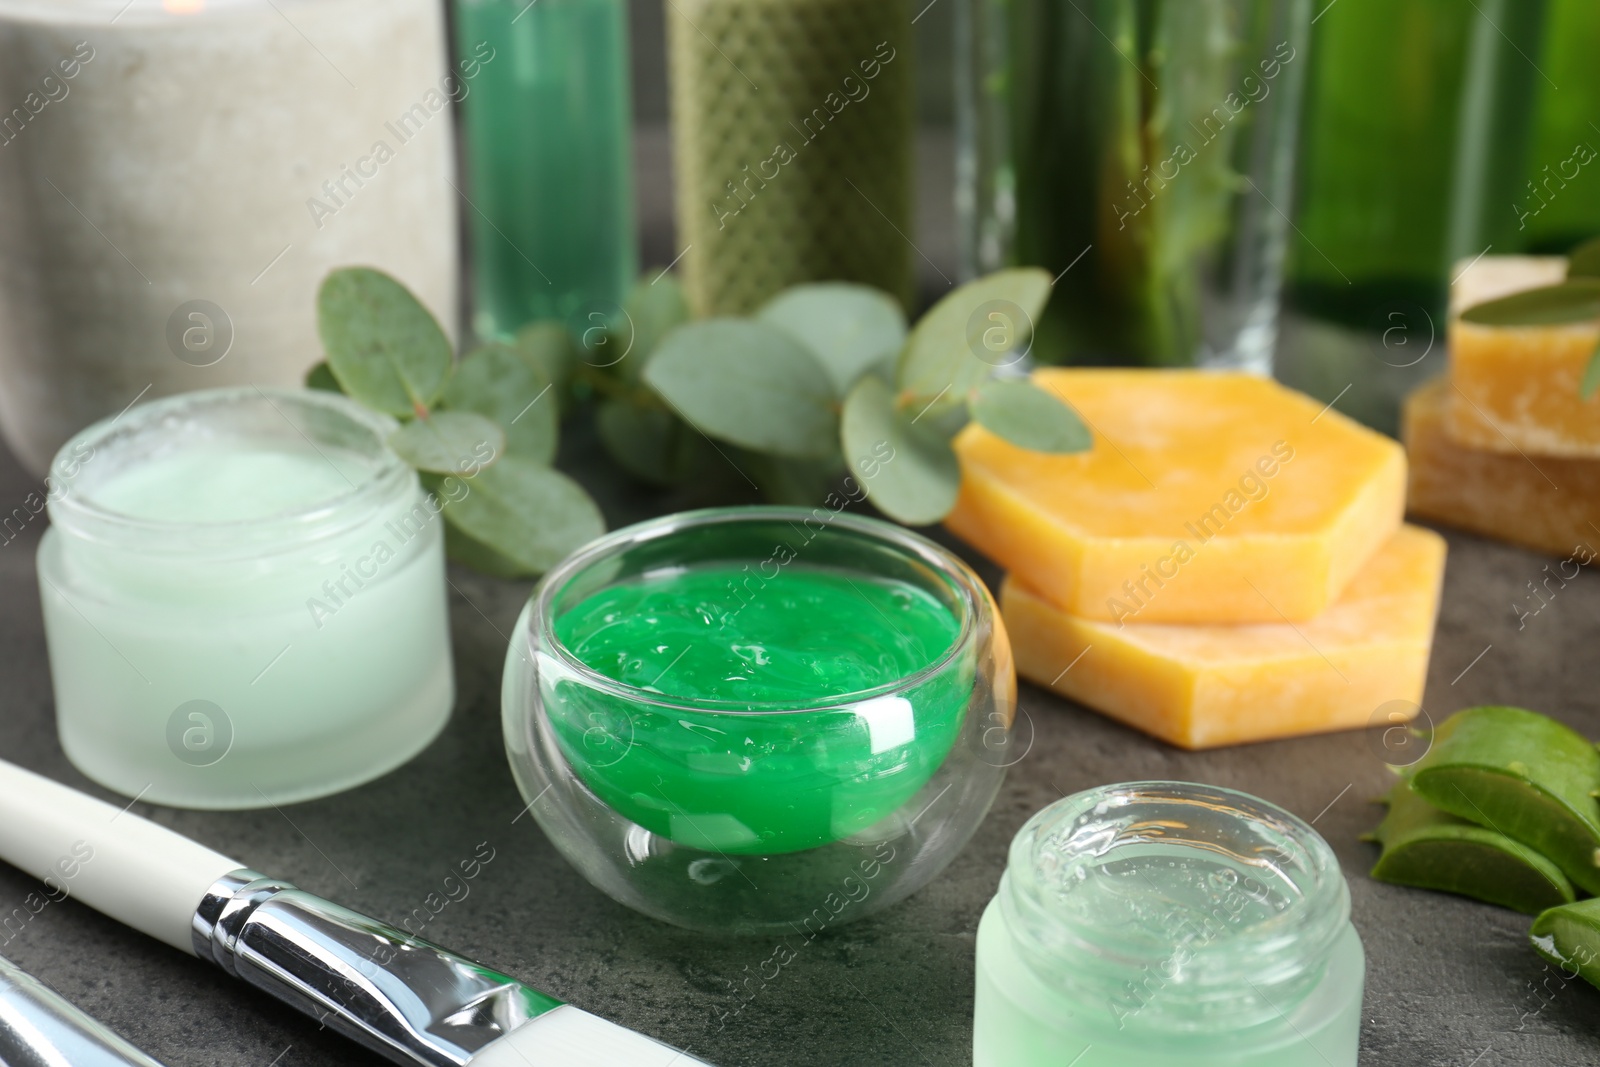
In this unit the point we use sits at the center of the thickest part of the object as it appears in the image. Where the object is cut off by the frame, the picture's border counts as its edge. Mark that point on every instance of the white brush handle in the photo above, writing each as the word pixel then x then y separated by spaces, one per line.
pixel 143 875
pixel 571 1037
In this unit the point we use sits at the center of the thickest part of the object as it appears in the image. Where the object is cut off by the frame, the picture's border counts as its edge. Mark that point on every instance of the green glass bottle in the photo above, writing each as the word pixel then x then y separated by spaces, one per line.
pixel 1414 139
pixel 1559 203
pixel 549 160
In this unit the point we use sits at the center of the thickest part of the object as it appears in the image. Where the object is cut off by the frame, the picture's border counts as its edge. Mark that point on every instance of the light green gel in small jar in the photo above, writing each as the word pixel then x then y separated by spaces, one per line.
pixel 244 600
pixel 1161 924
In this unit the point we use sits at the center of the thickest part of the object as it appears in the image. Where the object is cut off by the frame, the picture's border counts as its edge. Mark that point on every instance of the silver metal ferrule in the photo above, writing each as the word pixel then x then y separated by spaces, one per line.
pixel 404 998
pixel 40 1029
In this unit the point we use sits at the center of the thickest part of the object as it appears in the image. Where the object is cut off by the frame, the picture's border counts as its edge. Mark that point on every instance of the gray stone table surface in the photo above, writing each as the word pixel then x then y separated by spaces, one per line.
pixel 1450 983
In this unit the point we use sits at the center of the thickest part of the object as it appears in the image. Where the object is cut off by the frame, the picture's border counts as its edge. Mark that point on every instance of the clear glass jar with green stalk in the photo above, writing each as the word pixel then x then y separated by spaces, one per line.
pixel 1141 151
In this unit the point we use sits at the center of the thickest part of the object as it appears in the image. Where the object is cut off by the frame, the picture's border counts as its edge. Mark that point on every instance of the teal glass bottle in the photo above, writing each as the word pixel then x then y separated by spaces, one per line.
pixel 549 159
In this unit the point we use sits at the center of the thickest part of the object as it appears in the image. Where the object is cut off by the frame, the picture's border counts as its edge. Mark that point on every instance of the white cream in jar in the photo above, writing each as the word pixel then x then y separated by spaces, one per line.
pixel 244 600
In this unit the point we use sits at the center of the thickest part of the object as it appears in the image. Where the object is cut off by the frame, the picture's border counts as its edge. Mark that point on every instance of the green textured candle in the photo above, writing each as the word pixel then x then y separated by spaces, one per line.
pixel 725 762
pixel 792 126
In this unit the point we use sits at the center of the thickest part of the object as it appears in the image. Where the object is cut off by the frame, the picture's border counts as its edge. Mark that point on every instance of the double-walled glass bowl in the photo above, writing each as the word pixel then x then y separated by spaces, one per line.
pixel 724 817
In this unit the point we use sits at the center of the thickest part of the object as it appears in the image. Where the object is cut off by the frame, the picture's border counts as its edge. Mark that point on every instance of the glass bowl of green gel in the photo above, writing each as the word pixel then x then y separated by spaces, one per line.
pixel 752 720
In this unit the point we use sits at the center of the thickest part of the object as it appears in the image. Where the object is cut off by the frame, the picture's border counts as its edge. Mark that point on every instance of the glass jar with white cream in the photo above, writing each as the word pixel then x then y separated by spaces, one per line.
pixel 244 600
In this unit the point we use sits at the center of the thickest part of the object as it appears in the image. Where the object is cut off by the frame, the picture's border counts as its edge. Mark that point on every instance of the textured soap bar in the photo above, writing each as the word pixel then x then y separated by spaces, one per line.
pixel 1203 686
pixel 1491 277
pixel 1206 498
pixel 1517 387
pixel 1541 502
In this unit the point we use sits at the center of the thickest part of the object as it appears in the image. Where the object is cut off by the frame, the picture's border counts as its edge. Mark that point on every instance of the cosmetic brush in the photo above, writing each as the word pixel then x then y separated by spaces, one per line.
pixel 38 1028
pixel 400 996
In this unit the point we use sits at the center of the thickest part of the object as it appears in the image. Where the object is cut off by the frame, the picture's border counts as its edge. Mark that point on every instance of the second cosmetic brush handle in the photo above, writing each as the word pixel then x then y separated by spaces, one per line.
pixel 38 1028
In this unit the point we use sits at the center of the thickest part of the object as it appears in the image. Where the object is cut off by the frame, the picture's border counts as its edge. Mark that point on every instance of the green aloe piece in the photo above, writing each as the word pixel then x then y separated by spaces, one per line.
pixel 1432 849
pixel 1523 775
pixel 1569 937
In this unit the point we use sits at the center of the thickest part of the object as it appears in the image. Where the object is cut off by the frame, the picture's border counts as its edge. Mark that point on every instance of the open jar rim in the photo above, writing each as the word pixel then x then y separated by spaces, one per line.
pixel 1264 965
pixel 77 511
pixel 970 593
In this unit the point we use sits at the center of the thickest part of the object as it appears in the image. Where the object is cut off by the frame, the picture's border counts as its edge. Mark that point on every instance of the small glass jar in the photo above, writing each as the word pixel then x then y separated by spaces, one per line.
pixel 731 818
pixel 1159 924
pixel 244 604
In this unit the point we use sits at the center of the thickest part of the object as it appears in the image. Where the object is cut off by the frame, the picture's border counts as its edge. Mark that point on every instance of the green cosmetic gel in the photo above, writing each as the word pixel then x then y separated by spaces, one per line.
pixel 725 762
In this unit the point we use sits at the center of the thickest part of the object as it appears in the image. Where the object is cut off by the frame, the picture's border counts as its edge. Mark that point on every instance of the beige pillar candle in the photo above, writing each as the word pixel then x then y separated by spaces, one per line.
pixel 177 176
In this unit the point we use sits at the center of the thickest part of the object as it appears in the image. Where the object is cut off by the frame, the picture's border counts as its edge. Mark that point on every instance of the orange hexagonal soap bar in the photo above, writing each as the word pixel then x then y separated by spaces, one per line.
pixel 1203 686
pixel 1517 389
pixel 1547 503
pixel 1207 497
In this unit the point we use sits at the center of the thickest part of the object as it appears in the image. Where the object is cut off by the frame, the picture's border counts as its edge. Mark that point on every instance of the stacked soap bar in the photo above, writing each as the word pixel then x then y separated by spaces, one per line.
pixel 1226 564
pixel 1505 445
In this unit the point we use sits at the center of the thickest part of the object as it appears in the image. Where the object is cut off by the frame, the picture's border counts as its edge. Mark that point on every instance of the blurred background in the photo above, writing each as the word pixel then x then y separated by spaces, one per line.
pixel 1286 187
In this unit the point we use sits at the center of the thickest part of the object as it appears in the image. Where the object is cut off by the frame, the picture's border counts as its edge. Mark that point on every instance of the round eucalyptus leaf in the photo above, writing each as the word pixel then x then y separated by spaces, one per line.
pixel 1573 301
pixel 321 377
pixel 848 328
pixel 384 347
pixel 548 347
pixel 962 338
pixel 497 382
pixel 909 472
pixel 653 307
pixel 748 383
pixel 650 443
pixel 1584 261
pixel 1030 417
pixel 795 482
pixel 528 513
pixel 449 442
pixel 469 551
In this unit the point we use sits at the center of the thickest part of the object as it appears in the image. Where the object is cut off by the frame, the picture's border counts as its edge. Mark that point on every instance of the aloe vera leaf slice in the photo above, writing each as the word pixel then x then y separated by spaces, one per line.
pixel 1523 775
pixel 1569 937
pixel 1427 848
